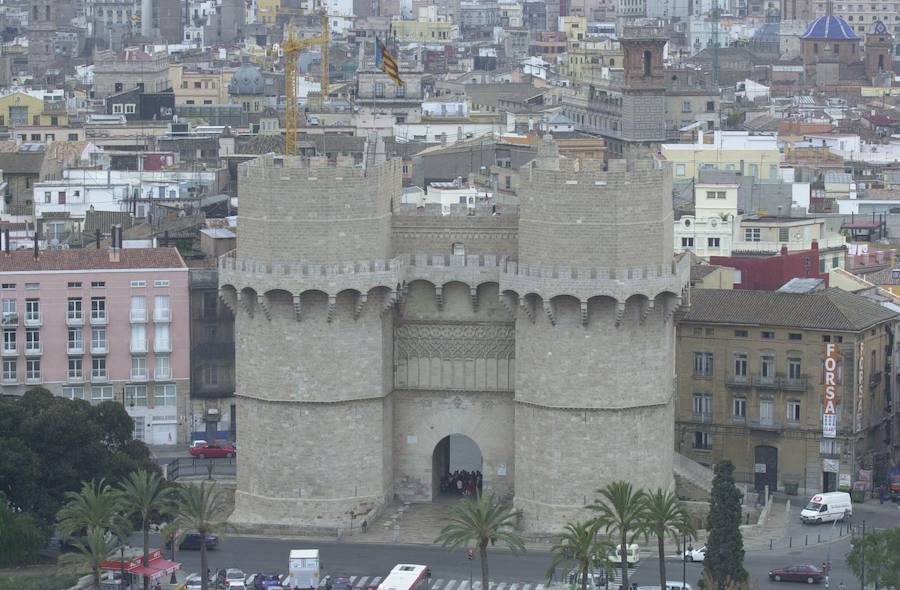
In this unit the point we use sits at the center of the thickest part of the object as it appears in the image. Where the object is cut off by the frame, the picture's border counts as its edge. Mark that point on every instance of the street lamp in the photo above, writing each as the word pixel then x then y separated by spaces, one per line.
pixel 173 536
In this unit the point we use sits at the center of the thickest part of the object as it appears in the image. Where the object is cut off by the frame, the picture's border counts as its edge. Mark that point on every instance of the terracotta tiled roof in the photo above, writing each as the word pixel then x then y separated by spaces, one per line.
pixel 90 259
pixel 829 309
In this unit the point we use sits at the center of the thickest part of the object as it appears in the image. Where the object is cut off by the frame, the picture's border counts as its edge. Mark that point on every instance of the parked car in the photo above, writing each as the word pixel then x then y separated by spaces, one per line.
pixel 337 582
pixel 213 450
pixel 260 581
pixel 231 574
pixel 694 554
pixel 236 585
pixel 798 573
pixel 596 579
pixel 193 582
pixel 192 541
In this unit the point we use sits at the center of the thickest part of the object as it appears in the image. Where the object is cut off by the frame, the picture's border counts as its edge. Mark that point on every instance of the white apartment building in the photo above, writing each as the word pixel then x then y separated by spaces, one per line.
pixel 711 229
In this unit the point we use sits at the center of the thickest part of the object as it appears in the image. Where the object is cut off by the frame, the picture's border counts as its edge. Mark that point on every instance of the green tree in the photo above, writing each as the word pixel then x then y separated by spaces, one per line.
pixel 20 538
pixel 666 516
pixel 96 505
pixel 145 495
pixel 724 546
pixel 620 513
pixel 201 508
pixel 97 546
pixel 880 553
pixel 580 544
pixel 482 521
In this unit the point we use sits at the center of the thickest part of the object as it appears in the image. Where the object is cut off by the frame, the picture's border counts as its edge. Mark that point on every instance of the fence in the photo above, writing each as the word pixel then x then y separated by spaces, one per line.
pixel 194 466
pixel 820 534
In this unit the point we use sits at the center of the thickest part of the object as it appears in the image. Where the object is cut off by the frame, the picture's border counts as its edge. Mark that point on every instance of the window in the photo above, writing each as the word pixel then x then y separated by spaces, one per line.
pixel 710 106
pixel 139 368
pixel 740 333
pixel 33 370
pixel 766 417
pixel 164 395
pixel 400 92
pixel 163 369
pixel 162 311
pixel 136 395
pixel 98 340
pixel 751 234
pixel 117 109
pixel 754 170
pixel 137 284
pixel 679 169
pixel 767 367
pixel 739 408
pixel 138 308
pixel 47 197
pixel 101 393
pixel 75 369
pixel 7 286
pixel 98 368
pixel 794 368
pixel 74 311
pixel 73 392
pixel 9 341
pixel 715 195
pixel 9 370
pixel 211 375
pixel 795 336
pixel 687 242
pixel 702 404
pixel 740 366
pixel 98 309
pixel 161 338
pixel 784 234
pixel 32 285
pixel 712 242
pixel 75 340
pixel 33 310
pixel 835 262
pixel 98 284
pixel 138 338
pixel 32 341
pixel 830 446
pixel 821 265
pixel 686 106
pixel 703 364
pixel 161 283
pixel 793 411
pixel 379 90
pixel 767 335
pixel 702 440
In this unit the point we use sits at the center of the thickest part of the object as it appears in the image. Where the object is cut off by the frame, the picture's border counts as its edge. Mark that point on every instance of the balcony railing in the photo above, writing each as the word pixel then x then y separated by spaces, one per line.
pixel 9 319
pixel 138 316
pixel 10 350
pixel 33 319
pixel 765 382
pixel 162 374
pixel 75 319
pixel 162 346
pixel 99 377
pixel 823 243
pixel 33 349
pixel 99 347
pixel 793 383
pixel 75 377
pixel 161 315
pixel 705 417
pixel 99 319
pixel 75 348
pixel 33 379
pixel 10 381
pixel 139 376
pixel 138 347
pixel 738 380
pixel 765 424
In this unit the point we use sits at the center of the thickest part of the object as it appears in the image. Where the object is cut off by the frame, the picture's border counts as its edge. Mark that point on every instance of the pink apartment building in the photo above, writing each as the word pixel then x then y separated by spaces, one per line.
pixel 98 325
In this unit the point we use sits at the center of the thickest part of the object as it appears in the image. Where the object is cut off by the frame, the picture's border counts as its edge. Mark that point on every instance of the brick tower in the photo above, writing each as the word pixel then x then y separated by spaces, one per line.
pixel 879 47
pixel 644 91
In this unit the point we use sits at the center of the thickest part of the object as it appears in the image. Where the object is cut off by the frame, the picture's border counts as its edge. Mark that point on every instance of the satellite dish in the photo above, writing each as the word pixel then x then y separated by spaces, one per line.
pixel 54 242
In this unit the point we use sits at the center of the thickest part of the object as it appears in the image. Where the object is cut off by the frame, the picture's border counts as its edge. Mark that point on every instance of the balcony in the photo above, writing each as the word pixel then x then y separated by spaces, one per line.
pixel 766 424
pixel 99 347
pixel 793 383
pixel 33 320
pixel 9 319
pixel 162 346
pixel 162 315
pixel 74 320
pixel 874 379
pixel 75 348
pixel 704 418
pixel 737 380
pixel 138 347
pixel 10 350
pixel 162 374
pixel 139 376
pixel 765 382
pixel 10 381
pixel 33 380
pixel 33 349
pixel 75 377
pixel 99 377
pixel 138 316
pixel 98 319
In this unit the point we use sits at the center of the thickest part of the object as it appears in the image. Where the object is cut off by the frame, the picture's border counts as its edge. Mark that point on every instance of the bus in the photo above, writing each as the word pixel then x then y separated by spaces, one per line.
pixel 407 576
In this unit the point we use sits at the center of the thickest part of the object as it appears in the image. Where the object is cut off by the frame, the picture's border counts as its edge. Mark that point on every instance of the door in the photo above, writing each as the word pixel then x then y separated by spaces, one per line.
pixel 62 197
pixel 765 468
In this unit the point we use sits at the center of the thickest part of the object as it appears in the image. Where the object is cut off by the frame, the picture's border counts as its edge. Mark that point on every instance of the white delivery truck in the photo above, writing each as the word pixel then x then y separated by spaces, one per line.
pixel 827 507
pixel 303 569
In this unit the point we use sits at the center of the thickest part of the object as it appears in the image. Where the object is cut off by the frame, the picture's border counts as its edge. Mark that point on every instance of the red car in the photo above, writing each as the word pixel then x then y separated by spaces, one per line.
pixel 215 450
pixel 798 573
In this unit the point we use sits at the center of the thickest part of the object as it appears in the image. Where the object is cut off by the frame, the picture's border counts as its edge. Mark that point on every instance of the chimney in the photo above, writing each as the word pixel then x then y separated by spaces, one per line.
pixel 114 255
pixel 97 237
pixel 166 239
pixel 6 241
pixel 37 250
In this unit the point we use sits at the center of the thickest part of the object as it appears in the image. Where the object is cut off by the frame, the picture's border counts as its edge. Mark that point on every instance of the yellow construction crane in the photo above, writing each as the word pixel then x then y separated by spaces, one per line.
pixel 292 47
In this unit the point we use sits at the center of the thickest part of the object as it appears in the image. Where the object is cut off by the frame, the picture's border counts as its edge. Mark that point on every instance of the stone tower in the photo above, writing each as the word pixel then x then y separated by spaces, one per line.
pixel 643 92
pixel 313 344
pixel 597 290
pixel 879 48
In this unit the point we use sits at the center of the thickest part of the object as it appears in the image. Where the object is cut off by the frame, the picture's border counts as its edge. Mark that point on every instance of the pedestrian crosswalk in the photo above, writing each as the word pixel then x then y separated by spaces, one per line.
pixel 364 582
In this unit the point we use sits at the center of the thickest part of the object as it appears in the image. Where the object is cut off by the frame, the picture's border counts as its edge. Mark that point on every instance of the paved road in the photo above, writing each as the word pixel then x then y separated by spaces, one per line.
pixel 528 572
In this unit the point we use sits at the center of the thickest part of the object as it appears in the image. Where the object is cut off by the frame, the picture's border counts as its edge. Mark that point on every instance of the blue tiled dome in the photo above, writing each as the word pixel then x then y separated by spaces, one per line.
pixel 829 28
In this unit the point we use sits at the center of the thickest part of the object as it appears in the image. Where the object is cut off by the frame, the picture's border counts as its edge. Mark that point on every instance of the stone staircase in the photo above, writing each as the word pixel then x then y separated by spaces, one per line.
pixel 692 480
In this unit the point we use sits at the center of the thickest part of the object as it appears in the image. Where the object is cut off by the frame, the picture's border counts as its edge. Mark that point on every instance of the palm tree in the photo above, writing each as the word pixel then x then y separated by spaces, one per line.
pixel 579 543
pixel 665 515
pixel 98 545
pixel 620 512
pixel 96 505
pixel 200 509
pixel 481 521
pixel 146 495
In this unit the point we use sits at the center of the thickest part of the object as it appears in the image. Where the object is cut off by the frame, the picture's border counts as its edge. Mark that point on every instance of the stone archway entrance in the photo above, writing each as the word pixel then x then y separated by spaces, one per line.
pixel 455 454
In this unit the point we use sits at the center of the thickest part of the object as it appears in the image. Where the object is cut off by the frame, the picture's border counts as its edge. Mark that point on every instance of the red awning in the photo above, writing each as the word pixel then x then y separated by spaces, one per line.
pixel 156 568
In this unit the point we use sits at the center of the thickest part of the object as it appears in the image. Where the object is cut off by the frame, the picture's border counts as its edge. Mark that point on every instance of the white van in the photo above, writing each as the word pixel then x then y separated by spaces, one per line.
pixel 304 568
pixel 670 585
pixel 632 555
pixel 827 507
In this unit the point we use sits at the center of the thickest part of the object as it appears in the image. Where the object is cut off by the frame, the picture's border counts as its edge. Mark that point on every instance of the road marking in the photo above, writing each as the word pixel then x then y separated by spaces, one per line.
pixel 476 586
pixel 362 581
pixel 353 580
pixel 464 585
pixel 375 581
pixel 437 584
pixel 538 587
pixel 501 586
pixel 450 584
pixel 513 587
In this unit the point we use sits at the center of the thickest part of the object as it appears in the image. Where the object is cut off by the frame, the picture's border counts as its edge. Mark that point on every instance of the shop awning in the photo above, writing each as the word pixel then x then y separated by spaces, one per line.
pixel 156 568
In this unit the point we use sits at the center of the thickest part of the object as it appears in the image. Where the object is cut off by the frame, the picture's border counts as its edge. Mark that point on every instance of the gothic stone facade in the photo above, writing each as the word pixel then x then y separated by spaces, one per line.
pixel 365 336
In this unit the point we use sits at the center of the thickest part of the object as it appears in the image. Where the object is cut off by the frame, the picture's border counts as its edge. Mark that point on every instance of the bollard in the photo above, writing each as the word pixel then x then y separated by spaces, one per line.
pixel 820 538
pixel 770 544
pixel 790 542
pixel 806 541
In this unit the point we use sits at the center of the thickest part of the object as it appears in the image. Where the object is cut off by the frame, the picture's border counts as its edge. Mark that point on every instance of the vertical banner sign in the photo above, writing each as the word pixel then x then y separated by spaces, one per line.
pixel 829 402
pixel 860 386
